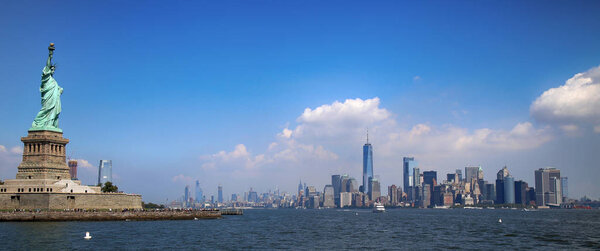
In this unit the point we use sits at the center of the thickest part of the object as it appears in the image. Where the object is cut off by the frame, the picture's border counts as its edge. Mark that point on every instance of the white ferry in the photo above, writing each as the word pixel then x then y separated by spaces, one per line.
pixel 378 208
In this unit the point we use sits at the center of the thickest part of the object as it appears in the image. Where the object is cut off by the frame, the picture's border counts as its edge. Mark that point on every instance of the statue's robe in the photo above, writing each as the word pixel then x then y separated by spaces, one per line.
pixel 47 118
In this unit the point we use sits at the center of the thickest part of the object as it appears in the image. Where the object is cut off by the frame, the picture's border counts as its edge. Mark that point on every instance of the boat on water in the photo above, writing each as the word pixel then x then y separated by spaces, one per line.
pixel 378 208
pixel 529 209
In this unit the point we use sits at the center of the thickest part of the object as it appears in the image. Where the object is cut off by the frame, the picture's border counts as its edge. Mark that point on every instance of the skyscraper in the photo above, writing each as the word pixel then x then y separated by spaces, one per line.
pixel 393 194
pixel 521 192
pixel 328 196
pixel 367 165
pixel 472 172
pixel 409 164
pixel 430 177
pixel 509 190
pixel 199 195
pixel 186 195
pixel 416 177
pixel 426 195
pixel 490 190
pixel 345 179
pixel 503 173
pixel 73 169
pixel 564 183
pixel 220 194
pixel 374 189
pixel 252 196
pixel 557 189
pixel 352 185
pixel 105 171
pixel 451 177
pixel 336 182
pixel 545 193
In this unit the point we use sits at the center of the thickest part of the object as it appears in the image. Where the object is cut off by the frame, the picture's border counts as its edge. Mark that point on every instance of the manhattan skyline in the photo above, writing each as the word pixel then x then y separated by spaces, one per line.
pixel 263 94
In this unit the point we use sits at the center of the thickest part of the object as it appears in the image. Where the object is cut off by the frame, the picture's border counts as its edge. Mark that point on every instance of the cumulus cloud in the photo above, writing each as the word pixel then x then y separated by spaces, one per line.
pixel 286 133
pixel 348 120
pixel 182 178
pixel 16 150
pixel 577 102
pixel 238 158
pixel 84 163
pixel 9 160
pixel 281 154
pixel 338 121
pixel 328 139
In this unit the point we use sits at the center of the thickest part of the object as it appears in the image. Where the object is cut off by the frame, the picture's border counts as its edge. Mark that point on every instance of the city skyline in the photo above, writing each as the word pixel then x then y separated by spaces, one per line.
pixel 425 190
pixel 260 96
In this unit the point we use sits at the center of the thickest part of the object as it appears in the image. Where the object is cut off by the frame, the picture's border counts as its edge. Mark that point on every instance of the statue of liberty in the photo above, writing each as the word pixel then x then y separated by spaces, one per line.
pixel 47 118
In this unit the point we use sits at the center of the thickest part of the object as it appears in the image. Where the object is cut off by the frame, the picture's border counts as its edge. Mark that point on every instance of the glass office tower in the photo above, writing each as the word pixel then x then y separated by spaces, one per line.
pixel 509 190
pixel 105 171
pixel 409 165
pixel 367 165
pixel 220 194
pixel 199 195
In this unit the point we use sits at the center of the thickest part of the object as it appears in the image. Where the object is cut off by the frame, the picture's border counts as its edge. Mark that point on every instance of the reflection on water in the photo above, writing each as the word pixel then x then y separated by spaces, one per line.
pixel 324 229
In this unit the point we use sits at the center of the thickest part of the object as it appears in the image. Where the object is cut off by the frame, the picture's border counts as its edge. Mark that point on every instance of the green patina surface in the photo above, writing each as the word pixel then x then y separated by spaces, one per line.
pixel 47 117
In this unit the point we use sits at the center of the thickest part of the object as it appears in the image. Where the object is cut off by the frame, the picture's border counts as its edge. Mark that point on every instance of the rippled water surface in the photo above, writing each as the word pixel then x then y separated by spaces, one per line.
pixel 324 229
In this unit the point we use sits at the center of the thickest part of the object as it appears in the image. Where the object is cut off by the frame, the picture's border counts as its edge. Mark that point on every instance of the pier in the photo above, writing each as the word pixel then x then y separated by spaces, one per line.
pixel 231 211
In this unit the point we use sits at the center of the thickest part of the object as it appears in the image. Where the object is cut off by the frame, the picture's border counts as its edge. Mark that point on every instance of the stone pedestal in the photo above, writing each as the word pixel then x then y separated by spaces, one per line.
pixel 44 156
pixel 43 180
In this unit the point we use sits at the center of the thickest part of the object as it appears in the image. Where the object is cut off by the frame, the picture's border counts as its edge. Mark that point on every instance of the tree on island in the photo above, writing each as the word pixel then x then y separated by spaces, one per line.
pixel 1 182
pixel 109 188
pixel 151 205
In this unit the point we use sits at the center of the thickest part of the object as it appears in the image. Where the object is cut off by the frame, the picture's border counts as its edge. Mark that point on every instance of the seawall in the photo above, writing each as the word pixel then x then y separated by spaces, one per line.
pixel 107 216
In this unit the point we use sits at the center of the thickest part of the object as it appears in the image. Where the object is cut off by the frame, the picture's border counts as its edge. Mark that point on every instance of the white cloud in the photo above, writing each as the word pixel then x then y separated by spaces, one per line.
pixel 597 129
pixel 286 133
pixel 84 163
pixel 577 102
pixel 182 178
pixel 343 122
pixel 419 130
pixel 9 160
pixel 328 139
pixel 238 158
pixel 416 78
pixel 338 120
pixel 16 150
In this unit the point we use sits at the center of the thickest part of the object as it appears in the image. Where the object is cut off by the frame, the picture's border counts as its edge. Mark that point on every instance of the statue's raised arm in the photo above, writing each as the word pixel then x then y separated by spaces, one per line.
pixel 49 69
pixel 47 118
pixel 50 52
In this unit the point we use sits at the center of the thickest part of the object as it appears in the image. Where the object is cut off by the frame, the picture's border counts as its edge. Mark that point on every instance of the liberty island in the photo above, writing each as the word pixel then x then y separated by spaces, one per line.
pixel 43 180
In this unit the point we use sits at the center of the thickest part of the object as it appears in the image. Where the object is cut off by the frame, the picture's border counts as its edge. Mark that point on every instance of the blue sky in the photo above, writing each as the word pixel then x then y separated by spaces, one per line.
pixel 161 88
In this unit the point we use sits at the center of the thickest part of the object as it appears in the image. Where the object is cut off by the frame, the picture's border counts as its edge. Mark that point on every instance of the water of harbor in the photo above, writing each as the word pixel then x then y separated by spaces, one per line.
pixel 323 229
